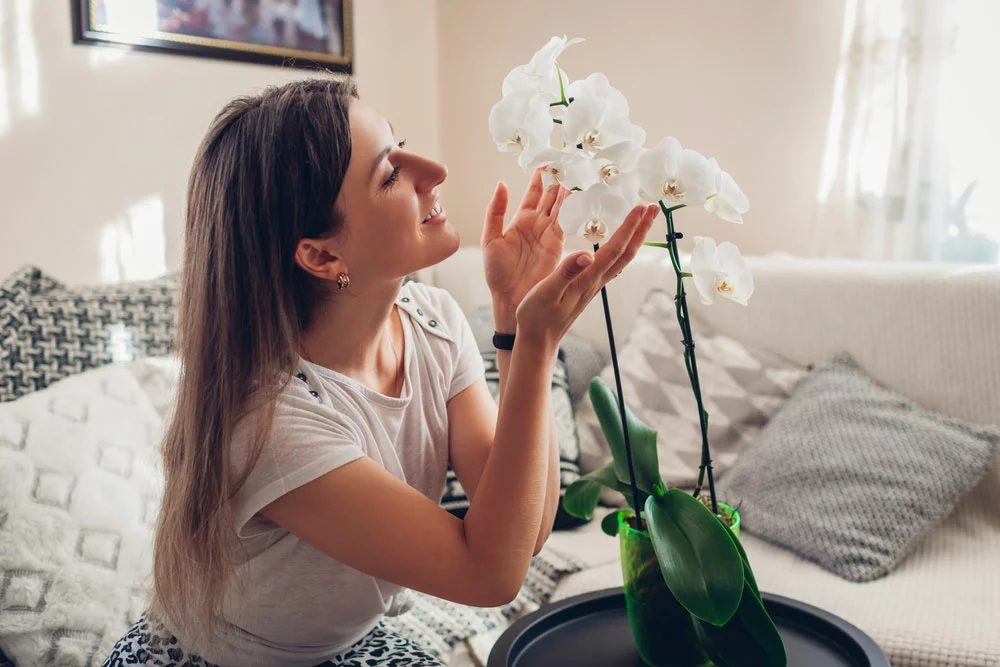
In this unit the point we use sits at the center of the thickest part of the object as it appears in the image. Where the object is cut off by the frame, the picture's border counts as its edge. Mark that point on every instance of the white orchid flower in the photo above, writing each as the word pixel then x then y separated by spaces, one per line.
pixel 521 123
pixel 620 158
pixel 626 186
pixel 719 271
pixel 594 214
pixel 726 199
pixel 674 175
pixel 598 117
pixel 541 74
pixel 570 168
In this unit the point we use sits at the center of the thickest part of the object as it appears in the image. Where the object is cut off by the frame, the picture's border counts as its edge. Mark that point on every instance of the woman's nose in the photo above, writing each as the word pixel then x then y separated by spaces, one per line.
pixel 433 174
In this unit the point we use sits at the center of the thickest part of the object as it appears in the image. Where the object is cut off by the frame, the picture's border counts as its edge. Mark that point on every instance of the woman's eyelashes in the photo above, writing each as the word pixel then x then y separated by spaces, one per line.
pixel 394 176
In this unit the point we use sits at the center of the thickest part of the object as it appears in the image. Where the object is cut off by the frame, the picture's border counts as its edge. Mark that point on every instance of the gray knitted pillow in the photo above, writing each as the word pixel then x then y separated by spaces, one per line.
pixel 851 475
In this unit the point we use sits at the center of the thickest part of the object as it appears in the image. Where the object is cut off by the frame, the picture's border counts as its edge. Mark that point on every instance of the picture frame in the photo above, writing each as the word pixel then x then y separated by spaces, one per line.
pixel 313 34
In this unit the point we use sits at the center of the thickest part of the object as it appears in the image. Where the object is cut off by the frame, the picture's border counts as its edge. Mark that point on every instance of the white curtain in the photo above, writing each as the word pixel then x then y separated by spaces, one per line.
pixel 890 188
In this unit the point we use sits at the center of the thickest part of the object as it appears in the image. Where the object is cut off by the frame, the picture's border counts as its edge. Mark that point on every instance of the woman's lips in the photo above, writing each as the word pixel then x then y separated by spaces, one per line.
pixel 437 216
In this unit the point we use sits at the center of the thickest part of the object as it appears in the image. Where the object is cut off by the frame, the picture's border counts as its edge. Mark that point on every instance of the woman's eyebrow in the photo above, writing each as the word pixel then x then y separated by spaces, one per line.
pixel 382 153
pixel 378 160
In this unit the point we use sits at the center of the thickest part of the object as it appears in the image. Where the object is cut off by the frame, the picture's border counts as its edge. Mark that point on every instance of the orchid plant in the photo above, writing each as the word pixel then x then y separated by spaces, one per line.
pixel 580 135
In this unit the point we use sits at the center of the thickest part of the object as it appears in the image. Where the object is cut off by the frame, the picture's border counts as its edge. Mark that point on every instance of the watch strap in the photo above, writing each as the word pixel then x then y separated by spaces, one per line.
pixel 503 341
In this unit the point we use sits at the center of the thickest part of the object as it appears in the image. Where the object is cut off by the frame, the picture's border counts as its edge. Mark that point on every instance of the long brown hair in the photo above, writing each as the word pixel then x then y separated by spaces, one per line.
pixel 267 175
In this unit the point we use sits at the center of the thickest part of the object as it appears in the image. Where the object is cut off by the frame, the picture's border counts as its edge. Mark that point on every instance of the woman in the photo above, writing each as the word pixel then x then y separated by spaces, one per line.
pixel 322 399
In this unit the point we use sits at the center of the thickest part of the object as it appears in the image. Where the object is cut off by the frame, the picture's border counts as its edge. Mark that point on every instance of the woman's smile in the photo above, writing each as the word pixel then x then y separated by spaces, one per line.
pixel 436 216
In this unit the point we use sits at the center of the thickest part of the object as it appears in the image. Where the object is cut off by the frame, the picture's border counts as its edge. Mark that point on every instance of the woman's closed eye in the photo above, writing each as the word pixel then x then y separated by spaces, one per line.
pixel 394 176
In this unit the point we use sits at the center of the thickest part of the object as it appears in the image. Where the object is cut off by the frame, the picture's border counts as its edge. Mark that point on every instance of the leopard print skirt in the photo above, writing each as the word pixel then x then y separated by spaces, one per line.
pixel 148 642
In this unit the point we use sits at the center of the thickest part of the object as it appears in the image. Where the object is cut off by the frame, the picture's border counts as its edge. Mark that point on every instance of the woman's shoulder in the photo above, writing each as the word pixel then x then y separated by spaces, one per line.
pixel 299 409
pixel 298 397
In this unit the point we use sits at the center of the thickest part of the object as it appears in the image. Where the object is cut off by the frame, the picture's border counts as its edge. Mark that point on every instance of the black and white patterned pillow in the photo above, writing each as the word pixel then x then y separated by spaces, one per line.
pixel 455 500
pixel 49 331
pixel 742 387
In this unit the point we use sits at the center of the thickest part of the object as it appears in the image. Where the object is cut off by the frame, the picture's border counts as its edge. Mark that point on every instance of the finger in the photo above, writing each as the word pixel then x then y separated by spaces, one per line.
pixel 549 198
pixel 551 221
pixel 615 247
pixel 563 194
pixel 493 228
pixel 569 269
pixel 534 192
pixel 635 244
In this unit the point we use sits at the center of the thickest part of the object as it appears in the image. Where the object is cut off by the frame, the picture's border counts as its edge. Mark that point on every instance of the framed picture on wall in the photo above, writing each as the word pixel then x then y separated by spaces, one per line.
pixel 300 33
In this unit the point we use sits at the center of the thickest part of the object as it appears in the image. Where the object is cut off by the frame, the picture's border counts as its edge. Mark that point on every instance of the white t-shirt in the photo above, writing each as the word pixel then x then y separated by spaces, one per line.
pixel 302 607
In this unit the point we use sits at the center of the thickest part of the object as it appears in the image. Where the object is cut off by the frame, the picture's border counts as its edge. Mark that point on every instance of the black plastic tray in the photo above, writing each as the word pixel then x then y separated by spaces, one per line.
pixel 592 630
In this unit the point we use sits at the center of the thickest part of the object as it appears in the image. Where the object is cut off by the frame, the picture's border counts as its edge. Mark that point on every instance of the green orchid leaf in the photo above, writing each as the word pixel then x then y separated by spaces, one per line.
pixel 641 437
pixel 747 572
pixel 653 244
pixel 609 524
pixel 582 496
pixel 701 565
pixel 749 639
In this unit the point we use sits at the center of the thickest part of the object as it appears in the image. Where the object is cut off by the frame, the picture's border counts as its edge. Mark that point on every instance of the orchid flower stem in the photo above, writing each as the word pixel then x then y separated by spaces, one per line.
pixel 621 405
pixel 690 361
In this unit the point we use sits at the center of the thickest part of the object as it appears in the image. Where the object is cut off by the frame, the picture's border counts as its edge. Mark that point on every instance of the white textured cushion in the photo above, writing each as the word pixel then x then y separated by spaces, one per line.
pixel 79 492
pixel 158 378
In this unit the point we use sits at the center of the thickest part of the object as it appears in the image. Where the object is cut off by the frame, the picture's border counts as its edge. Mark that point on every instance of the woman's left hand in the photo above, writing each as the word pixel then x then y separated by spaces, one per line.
pixel 518 257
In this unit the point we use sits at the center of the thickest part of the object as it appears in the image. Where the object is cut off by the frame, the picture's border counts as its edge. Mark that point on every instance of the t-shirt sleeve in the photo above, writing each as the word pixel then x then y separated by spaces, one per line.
pixel 303 444
pixel 469 362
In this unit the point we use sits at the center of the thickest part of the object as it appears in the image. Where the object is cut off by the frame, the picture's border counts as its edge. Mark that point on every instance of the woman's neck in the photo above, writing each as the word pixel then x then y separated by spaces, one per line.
pixel 360 336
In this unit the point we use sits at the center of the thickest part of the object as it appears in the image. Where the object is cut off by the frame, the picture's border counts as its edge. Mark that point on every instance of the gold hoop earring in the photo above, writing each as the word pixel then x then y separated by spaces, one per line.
pixel 343 281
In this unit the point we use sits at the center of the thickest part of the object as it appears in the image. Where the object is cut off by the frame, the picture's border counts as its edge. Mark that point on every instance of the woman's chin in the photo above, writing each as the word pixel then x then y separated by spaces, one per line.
pixel 439 245
pixel 444 238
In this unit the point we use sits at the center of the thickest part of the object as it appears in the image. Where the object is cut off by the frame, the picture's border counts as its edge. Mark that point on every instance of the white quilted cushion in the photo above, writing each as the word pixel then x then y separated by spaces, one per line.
pixel 79 491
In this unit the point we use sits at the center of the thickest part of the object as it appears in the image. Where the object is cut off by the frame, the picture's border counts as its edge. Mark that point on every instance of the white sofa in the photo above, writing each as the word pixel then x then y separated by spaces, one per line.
pixel 931 332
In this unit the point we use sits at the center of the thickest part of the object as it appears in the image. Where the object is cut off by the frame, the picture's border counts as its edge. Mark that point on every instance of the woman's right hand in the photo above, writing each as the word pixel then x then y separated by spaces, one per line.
pixel 547 311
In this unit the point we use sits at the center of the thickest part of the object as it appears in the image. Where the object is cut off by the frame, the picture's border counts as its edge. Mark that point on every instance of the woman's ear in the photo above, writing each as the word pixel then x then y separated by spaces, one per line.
pixel 317 257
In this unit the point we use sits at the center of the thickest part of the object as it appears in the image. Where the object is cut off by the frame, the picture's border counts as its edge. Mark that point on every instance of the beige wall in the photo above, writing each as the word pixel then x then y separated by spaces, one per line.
pixel 93 166
pixel 747 82
pixel 82 169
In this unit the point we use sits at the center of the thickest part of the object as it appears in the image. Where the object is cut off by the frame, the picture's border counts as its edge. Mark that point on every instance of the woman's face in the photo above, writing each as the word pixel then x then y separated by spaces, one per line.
pixel 394 221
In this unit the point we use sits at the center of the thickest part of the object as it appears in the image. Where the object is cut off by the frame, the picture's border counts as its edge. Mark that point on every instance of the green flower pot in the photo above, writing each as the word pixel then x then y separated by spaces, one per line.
pixel 662 628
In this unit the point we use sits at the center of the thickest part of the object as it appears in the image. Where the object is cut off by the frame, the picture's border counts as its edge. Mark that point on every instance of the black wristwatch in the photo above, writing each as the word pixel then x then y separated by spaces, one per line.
pixel 503 341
